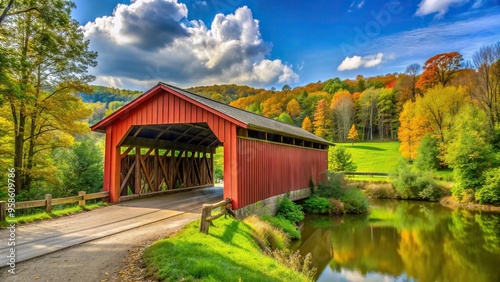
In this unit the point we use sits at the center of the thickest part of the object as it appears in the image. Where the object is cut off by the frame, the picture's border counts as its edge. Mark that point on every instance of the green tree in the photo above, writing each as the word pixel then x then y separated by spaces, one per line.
pixel 84 170
pixel 427 154
pixel 47 65
pixel 469 152
pixel 286 118
pixel 489 193
pixel 340 160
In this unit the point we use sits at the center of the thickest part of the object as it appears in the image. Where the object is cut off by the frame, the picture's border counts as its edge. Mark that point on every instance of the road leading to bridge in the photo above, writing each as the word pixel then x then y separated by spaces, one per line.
pixel 38 239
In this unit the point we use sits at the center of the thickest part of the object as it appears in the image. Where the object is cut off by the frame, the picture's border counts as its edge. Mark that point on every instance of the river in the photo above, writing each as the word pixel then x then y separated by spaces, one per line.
pixel 404 241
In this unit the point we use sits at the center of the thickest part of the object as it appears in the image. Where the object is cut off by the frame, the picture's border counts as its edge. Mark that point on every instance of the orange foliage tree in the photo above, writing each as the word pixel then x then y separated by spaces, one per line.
pixel 412 129
pixel 439 69
pixel 353 134
pixel 322 120
pixel 307 124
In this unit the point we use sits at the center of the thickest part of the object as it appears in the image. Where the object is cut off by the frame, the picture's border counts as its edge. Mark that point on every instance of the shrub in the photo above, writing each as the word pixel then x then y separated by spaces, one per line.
pixel 490 192
pixel 340 160
pixel 318 205
pixel 415 184
pixel 289 210
pixel 283 224
pixel 333 186
pixel 354 201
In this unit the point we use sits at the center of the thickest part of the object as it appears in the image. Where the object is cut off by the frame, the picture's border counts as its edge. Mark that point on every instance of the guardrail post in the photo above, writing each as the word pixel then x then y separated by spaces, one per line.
pixel 3 208
pixel 205 212
pixel 48 202
pixel 81 203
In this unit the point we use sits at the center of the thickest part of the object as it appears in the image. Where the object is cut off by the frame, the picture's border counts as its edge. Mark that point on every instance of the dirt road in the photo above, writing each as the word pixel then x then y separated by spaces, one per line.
pixel 100 239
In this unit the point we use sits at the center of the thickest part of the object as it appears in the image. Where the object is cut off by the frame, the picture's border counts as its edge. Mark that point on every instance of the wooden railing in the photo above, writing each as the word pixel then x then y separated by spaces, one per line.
pixel 207 217
pixel 49 202
pixel 371 174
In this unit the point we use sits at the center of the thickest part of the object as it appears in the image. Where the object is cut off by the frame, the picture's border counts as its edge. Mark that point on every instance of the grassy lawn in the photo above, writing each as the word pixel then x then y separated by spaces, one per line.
pixel 55 213
pixel 228 253
pixel 374 156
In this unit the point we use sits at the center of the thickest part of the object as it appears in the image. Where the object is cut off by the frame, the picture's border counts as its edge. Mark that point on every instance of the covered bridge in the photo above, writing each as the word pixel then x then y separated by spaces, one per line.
pixel 165 139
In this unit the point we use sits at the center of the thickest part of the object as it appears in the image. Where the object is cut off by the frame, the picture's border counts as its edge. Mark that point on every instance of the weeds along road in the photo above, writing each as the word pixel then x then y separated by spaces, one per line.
pixel 46 237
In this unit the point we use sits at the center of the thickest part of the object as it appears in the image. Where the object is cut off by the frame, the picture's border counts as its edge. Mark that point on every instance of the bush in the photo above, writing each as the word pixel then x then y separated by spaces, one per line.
pixel 490 192
pixel 354 201
pixel 334 196
pixel 340 160
pixel 283 224
pixel 415 184
pixel 318 205
pixel 333 186
pixel 289 210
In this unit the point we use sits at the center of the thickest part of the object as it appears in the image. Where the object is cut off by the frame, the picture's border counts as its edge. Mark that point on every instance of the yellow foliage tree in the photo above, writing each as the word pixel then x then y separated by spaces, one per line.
pixel 412 129
pixel 293 108
pixel 353 134
pixel 307 124
pixel 322 118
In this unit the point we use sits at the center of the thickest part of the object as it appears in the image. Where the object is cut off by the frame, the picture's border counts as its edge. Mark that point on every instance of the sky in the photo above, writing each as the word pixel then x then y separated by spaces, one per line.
pixel 272 43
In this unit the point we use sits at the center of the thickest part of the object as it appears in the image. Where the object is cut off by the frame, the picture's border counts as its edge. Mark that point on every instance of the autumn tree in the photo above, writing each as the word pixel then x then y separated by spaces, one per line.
pixel 322 121
pixel 353 134
pixel 293 108
pixel 410 82
pixel 48 60
pixel 487 89
pixel 439 106
pixel 411 130
pixel 342 108
pixel 307 124
pixel 439 69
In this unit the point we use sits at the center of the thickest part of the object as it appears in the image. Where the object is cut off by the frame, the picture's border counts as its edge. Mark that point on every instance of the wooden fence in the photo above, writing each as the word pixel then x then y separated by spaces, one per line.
pixel 371 174
pixel 49 202
pixel 207 217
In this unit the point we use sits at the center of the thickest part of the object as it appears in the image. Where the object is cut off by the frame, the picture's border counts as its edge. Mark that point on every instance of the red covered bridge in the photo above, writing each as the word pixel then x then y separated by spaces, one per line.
pixel 165 139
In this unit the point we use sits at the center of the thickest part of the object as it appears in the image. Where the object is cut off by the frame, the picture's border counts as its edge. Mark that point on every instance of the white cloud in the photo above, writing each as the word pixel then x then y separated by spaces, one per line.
pixel 355 62
pixel 441 7
pixel 152 40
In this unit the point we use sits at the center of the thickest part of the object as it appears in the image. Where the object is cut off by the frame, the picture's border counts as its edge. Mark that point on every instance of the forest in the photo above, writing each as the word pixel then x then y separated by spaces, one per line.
pixel 444 111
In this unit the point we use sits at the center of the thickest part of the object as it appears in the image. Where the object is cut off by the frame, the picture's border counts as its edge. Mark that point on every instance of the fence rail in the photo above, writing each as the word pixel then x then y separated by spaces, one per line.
pixel 49 202
pixel 207 217
pixel 371 174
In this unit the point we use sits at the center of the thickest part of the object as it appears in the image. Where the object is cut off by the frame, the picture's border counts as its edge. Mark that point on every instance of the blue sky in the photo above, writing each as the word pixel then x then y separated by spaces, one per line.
pixel 272 43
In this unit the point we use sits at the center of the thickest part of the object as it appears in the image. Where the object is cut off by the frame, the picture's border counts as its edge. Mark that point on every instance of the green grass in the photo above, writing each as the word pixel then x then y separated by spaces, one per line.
pixel 228 253
pixel 374 156
pixel 54 214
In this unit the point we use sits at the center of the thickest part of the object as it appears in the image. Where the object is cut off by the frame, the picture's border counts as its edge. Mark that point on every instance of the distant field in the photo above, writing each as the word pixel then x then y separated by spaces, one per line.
pixel 374 156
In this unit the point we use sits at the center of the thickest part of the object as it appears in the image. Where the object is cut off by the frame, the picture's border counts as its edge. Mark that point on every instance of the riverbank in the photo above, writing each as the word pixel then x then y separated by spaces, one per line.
pixel 452 203
pixel 385 190
pixel 228 253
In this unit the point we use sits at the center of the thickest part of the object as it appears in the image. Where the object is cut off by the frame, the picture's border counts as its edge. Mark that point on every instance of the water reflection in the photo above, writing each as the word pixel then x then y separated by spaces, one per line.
pixel 404 241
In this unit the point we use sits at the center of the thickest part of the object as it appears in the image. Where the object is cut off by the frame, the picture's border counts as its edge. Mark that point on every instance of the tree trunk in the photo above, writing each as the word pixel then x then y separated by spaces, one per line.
pixel 19 148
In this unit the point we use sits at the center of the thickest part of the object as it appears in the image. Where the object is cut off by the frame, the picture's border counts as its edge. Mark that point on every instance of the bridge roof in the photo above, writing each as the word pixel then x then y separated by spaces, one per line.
pixel 238 116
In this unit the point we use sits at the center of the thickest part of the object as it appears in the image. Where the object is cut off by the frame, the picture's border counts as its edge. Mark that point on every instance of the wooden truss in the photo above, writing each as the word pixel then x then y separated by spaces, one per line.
pixel 152 170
